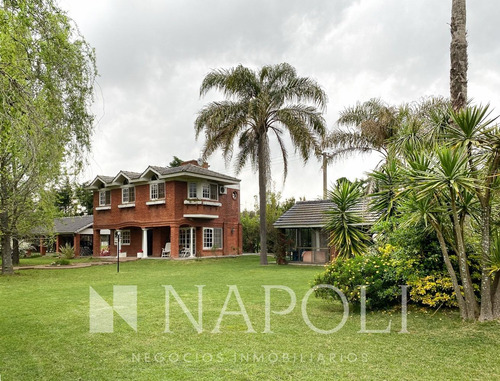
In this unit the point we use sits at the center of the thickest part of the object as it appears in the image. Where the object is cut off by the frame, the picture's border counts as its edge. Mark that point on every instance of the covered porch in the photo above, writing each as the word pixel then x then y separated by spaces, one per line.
pixel 307 245
pixel 173 241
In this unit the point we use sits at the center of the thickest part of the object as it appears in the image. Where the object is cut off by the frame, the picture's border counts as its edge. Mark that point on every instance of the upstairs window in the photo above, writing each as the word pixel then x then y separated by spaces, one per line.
pixel 128 195
pixel 104 197
pixel 192 190
pixel 156 191
pixel 210 191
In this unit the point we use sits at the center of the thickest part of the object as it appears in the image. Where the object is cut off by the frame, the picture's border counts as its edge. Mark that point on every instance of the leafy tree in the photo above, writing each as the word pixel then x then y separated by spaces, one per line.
pixel 73 199
pixel 250 222
pixel 47 73
pixel 64 198
pixel 259 103
pixel 176 162
pixel 85 199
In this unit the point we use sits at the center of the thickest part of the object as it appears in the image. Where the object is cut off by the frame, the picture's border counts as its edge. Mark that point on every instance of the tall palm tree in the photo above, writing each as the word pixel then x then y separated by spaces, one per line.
pixel 369 125
pixel 258 103
pixel 458 55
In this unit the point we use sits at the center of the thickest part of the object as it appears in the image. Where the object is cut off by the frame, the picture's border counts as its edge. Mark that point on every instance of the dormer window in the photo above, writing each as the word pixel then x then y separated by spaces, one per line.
pixel 128 195
pixel 157 191
pixel 104 197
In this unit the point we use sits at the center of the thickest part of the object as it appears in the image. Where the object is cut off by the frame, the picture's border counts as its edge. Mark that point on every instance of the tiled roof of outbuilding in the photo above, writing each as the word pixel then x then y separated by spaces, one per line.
pixel 312 214
pixel 70 225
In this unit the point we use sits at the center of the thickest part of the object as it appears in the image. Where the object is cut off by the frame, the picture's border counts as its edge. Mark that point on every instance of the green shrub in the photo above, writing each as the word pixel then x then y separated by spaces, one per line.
pixel 433 291
pixel 67 251
pixel 61 262
pixel 382 275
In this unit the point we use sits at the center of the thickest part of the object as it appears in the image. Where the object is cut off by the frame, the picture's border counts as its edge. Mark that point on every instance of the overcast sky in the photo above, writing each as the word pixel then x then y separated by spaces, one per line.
pixel 153 54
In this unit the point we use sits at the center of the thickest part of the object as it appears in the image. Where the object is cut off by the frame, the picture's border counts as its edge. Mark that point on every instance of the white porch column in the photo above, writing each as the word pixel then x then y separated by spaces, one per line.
pixel 144 242
pixel 191 244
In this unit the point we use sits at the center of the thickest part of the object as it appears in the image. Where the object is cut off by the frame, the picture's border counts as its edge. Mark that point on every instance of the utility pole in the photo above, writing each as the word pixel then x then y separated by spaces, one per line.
pixel 325 175
pixel 326 157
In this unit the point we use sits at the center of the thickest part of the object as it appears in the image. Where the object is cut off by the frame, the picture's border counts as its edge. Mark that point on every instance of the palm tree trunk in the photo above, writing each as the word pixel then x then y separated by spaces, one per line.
pixel 470 299
pixel 451 270
pixel 262 198
pixel 458 55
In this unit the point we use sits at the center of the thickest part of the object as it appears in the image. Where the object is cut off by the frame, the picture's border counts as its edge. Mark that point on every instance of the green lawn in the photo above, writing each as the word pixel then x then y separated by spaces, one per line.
pixel 44 330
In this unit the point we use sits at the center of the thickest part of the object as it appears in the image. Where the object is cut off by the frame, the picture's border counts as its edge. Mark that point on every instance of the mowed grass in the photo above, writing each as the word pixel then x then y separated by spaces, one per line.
pixel 44 330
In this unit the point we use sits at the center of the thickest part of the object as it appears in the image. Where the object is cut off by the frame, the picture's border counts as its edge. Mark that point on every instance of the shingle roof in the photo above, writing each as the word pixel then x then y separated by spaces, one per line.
pixel 70 225
pixel 193 169
pixel 165 172
pixel 312 214
pixel 131 175
pixel 106 179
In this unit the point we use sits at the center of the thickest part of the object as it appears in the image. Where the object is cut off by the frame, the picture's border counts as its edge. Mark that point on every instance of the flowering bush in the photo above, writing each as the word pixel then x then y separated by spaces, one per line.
pixel 380 272
pixel 433 291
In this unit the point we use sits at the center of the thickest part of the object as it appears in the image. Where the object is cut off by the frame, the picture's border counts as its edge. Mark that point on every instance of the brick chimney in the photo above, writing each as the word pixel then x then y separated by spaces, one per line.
pixel 197 163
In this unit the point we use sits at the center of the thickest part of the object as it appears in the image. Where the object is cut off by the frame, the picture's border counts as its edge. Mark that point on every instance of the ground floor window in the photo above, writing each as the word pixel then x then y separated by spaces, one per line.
pixel 125 237
pixel 104 244
pixel 212 238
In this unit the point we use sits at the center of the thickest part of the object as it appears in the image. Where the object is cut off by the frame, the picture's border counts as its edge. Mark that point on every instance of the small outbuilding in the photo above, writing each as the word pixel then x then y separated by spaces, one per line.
pixel 75 231
pixel 303 226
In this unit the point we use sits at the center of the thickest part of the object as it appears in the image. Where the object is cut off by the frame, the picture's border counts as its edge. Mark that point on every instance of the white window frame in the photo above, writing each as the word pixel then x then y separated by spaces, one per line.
pixel 190 194
pixel 206 191
pixel 125 236
pixel 101 201
pixel 211 233
pixel 154 192
pixel 126 199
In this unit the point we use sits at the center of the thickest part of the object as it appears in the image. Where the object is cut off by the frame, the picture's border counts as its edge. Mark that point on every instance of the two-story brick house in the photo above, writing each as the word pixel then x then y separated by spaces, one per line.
pixel 194 209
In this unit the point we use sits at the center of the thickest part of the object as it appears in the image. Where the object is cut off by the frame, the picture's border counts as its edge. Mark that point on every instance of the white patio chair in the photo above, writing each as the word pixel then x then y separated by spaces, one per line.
pixel 165 252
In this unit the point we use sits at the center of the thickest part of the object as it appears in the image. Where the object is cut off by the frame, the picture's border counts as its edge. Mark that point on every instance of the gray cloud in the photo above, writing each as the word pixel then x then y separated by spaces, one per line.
pixel 153 55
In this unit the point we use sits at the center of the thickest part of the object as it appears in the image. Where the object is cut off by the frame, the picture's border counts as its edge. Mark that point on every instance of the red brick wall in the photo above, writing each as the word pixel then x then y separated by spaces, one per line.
pixel 169 214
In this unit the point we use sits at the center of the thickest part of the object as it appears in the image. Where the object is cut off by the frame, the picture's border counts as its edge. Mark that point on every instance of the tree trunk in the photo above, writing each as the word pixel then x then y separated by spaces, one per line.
pixel 451 271
pixel 262 198
pixel 486 297
pixel 496 296
pixel 15 252
pixel 6 255
pixel 470 298
pixel 458 55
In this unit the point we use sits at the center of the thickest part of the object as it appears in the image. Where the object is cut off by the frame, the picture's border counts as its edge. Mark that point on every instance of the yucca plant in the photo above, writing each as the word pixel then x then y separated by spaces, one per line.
pixel 345 224
pixel 494 260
